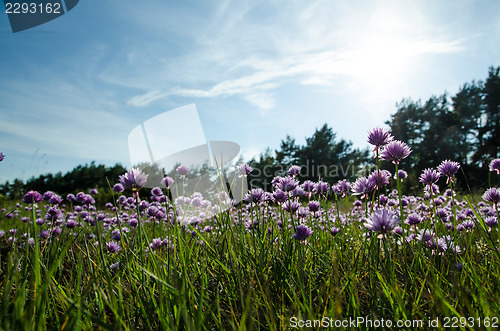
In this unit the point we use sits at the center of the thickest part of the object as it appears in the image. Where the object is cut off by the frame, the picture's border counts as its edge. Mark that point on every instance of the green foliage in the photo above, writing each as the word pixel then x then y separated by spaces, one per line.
pixel 323 157
pixel 81 178
pixel 462 128
pixel 238 279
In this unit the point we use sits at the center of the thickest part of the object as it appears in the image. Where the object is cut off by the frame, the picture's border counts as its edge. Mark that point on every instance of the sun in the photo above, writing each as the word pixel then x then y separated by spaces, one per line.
pixel 384 49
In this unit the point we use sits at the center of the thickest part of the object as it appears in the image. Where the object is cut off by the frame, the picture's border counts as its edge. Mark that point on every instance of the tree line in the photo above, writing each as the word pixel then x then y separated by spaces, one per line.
pixel 464 127
pixel 81 178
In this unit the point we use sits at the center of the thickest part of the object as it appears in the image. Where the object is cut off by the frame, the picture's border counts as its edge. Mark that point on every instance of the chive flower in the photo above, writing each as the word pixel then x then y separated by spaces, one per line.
pixel 395 151
pixel 429 177
pixel 245 170
pixel 382 221
pixel 449 169
pixel 495 166
pixel 302 232
pixel 32 197
pixel 379 137
pixel 182 170
pixel 492 195
pixel 133 179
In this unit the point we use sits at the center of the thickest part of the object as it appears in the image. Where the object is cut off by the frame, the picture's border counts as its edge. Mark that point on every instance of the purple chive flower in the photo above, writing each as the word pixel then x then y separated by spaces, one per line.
pixel 287 184
pixel 115 234
pixel 256 195
pixel 298 192
pixel 313 206
pixel 182 170
pixel 342 187
pixel 85 199
pixel 152 210
pixel 398 231
pixel 276 180
pixel 2 156
pixel 362 186
pixel 379 137
pixel 56 231
pixel 113 246
pixel 167 182
pixel 321 188
pixel 446 244
pixel 156 192
pixel 395 151
pixel 53 213
pixel 70 224
pixel 334 231
pixel 156 243
pixel 495 165
pixel 402 174
pixel 308 186
pixel 468 224
pixel 425 236
pixel 491 221
pixel 115 266
pixel 291 206
pixel 382 221
pixel 379 178
pixel 303 211
pixel 44 234
pixel 47 195
pixel 429 176
pixel 302 232
pixel 294 170
pixel 279 196
pixel 492 195
pixel 431 189
pixel 118 188
pixel 55 199
pixel 245 169
pixel 448 168
pixel 32 197
pixel 80 197
pixel 133 179
pixel 413 219
pixel 93 191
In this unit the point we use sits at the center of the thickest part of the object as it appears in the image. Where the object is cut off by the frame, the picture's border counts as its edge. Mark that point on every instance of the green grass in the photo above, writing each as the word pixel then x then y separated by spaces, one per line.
pixel 231 278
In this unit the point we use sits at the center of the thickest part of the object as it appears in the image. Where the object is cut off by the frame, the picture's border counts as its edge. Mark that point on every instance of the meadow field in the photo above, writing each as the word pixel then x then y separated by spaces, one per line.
pixel 311 255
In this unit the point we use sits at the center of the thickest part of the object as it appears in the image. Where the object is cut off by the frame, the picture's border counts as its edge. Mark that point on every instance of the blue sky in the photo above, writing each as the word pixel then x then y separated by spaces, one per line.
pixel 71 90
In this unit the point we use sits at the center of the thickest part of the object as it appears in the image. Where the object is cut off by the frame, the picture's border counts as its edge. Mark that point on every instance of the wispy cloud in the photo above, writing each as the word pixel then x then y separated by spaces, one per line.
pixel 302 44
pixel 145 99
pixel 318 68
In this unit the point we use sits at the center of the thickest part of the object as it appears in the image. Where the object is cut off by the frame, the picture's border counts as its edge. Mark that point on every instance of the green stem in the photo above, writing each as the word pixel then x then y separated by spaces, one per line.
pixel 399 193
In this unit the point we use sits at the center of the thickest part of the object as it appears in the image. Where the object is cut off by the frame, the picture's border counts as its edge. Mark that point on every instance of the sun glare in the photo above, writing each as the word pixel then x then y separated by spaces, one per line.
pixel 383 51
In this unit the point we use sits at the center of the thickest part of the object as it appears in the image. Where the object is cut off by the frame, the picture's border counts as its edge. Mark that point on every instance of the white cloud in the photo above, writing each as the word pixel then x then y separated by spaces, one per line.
pixel 374 58
pixel 250 49
pixel 263 101
pixel 146 99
